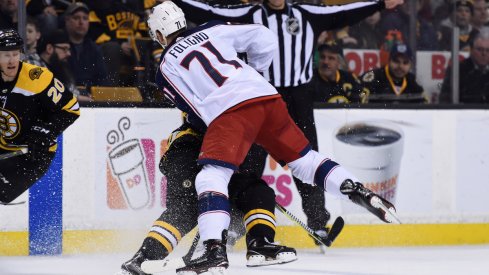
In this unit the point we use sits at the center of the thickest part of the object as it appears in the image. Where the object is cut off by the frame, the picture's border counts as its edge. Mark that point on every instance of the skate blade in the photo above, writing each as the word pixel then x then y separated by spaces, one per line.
pixel 323 249
pixel 390 215
pixel 260 260
pixel 123 272
pixel 155 266
pixel 210 271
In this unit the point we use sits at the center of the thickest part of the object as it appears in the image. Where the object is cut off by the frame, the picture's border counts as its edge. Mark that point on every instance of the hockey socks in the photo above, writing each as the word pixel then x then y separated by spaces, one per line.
pixel 214 215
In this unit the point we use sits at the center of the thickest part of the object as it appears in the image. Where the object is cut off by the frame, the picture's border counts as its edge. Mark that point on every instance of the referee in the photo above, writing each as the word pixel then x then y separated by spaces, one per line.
pixel 297 27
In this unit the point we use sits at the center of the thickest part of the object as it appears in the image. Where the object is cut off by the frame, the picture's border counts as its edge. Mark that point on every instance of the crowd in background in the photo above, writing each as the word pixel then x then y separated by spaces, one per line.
pixel 105 43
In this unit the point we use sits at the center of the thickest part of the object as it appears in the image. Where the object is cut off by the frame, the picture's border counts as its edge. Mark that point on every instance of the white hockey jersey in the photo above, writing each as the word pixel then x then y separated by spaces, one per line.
pixel 201 73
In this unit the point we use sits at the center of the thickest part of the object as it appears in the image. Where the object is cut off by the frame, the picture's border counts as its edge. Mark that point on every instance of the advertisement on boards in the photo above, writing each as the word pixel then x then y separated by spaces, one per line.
pixel 130 147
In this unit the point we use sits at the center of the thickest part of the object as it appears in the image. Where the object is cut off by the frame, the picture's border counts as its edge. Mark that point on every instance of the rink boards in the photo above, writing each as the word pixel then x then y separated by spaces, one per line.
pixel 110 189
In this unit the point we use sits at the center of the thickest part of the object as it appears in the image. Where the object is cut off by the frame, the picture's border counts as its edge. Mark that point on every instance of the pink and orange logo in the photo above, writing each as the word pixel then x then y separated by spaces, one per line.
pixel 131 170
pixel 281 179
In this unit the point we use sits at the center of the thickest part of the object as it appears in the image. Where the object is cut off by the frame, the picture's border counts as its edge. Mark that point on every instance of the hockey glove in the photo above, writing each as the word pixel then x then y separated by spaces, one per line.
pixel 39 142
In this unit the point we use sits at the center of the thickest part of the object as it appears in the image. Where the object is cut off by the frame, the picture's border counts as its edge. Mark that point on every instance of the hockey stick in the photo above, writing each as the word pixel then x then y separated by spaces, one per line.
pixel 156 266
pixel 12 203
pixel 336 228
pixel 14 153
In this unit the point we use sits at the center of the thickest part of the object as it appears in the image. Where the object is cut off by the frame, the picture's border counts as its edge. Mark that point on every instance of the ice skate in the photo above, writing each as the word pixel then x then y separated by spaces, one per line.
pixel 323 233
pixel 214 260
pixel 261 252
pixel 133 266
pixel 377 205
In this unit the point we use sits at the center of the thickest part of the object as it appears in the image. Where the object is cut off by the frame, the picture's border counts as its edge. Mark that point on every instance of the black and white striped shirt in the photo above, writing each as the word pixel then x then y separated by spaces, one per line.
pixel 297 27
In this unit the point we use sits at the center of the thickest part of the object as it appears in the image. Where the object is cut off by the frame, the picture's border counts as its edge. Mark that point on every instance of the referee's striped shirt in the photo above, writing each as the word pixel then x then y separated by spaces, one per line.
pixel 297 27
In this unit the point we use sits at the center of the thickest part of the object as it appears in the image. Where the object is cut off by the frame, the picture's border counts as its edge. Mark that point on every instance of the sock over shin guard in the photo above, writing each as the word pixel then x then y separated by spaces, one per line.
pixel 325 173
pixel 214 215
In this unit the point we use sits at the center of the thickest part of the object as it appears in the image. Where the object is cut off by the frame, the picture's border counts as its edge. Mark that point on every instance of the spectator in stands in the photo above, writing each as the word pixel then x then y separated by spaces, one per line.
pixel 464 9
pixel 54 50
pixel 8 14
pixel 365 35
pixel 47 12
pixel 114 26
pixel 33 34
pixel 394 83
pixel 398 19
pixel 473 73
pixel 481 14
pixel 424 10
pixel 441 11
pixel 330 83
pixel 86 59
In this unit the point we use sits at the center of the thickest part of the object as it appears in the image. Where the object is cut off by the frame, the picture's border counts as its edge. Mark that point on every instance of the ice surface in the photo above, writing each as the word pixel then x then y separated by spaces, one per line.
pixel 450 260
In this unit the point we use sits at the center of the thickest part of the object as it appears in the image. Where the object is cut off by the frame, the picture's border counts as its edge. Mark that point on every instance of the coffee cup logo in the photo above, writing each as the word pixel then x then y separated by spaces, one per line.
pixel 127 164
pixel 372 151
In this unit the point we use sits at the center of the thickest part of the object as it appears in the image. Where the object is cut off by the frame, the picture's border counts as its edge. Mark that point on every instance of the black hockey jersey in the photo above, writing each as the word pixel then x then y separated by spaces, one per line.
pixel 34 98
pixel 382 88
pixel 347 88
pixel 114 22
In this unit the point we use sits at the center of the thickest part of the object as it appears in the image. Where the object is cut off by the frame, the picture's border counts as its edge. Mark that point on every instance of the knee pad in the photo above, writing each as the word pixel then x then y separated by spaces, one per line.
pixel 213 178
pixel 305 167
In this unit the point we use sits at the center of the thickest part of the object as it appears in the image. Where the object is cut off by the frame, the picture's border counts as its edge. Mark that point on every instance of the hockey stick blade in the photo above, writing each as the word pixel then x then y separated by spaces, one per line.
pixel 156 266
pixel 336 229
pixel 13 154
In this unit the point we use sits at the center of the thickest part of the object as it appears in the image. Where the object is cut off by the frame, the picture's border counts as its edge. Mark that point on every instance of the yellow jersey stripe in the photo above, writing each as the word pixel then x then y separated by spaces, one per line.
pixel 69 107
pixel 259 221
pixel 8 147
pixel 170 228
pixel 259 211
pixel 93 18
pixel 162 240
pixel 102 39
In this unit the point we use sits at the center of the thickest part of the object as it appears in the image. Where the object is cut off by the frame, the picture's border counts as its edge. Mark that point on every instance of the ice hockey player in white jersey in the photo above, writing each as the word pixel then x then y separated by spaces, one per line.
pixel 201 73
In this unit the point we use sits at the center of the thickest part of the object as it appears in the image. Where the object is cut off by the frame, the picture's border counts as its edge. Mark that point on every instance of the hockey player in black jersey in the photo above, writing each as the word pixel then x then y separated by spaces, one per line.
pixel 34 109
pixel 252 201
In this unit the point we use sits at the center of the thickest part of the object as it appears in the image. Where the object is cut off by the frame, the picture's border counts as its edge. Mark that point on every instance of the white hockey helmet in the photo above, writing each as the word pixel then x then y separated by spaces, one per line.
pixel 166 18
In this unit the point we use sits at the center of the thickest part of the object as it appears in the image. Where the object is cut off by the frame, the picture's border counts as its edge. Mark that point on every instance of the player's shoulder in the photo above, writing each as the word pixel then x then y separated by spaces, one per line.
pixel 185 134
pixel 208 25
pixel 34 79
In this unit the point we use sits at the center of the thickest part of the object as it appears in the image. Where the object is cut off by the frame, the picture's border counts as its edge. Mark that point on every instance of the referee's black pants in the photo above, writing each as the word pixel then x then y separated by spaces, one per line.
pixel 299 102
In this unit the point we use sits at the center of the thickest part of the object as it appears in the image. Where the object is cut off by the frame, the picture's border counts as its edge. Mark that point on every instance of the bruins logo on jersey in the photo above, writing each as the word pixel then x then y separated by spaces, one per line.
pixel 368 77
pixel 35 73
pixel 338 99
pixel 9 124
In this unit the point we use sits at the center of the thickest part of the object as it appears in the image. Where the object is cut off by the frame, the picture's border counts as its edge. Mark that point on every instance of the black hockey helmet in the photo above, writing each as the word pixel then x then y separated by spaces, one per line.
pixel 10 40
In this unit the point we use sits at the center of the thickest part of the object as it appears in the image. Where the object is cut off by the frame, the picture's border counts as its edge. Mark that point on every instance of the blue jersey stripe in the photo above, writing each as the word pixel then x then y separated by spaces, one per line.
pixel 212 202
pixel 323 171
pixel 218 163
